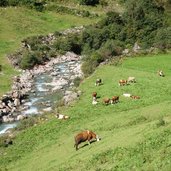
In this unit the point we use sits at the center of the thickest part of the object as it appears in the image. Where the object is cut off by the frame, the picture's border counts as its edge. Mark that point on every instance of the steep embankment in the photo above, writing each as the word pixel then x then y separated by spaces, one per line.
pixel 135 133
pixel 18 23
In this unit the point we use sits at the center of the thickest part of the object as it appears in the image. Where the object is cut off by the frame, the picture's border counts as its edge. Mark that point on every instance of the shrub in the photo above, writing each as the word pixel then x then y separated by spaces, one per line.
pixel 62 45
pixel 3 3
pixel 161 122
pixel 77 81
pixel 0 68
pixel 39 6
pixel 111 48
pixel 28 61
pixel 31 121
pixel 89 65
pixel 103 3
pixel 69 43
pixel 89 2
pixel 163 38
pixel 13 2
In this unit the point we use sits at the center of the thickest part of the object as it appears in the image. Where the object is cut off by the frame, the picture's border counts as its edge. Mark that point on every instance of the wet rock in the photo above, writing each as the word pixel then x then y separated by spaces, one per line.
pixel 17 102
pixel 21 117
pixel 47 109
pixel 69 97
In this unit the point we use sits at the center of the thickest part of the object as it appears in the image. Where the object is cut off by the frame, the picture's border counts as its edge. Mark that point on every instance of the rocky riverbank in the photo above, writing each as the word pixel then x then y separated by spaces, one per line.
pixel 62 71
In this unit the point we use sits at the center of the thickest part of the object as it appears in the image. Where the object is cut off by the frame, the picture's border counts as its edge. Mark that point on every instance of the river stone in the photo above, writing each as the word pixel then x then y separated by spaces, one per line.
pixel 47 109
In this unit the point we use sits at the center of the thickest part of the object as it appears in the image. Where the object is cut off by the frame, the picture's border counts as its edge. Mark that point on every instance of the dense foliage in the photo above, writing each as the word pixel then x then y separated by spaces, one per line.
pixel 89 2
pixel 38 5
pixel 143 23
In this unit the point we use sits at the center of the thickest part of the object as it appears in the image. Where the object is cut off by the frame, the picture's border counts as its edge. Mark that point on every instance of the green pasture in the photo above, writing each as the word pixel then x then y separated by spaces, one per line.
pixel 18 23
pixel 135 134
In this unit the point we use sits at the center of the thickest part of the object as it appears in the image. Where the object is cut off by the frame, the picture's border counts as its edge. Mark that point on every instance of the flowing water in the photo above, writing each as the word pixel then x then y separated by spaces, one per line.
pixel 42 98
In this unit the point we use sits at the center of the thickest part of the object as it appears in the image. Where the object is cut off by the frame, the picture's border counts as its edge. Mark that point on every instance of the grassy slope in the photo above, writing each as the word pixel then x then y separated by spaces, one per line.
pixel 18 23
pixel 134 136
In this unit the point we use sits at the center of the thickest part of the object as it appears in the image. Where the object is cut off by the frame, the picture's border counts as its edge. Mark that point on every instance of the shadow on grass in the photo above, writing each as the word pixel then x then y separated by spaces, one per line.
pixel 87 144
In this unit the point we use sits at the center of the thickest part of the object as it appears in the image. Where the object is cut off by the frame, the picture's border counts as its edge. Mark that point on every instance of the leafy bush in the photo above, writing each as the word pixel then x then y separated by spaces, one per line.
pixel 89 2
pixel 161 122
pixel 31 121
pixel 3 3
pixel 163 38
pixel 69 43
pixel 90 64
pixel 103 3
pixel 77 81
pixel 29 60
pixel 39 6
pixel 110 48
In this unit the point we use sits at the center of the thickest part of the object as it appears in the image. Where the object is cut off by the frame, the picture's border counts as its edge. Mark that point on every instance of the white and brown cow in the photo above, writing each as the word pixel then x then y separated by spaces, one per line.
pixel 98 82
pixel 85 136
pixel 131 80
pixel 160 73
pixel 61 116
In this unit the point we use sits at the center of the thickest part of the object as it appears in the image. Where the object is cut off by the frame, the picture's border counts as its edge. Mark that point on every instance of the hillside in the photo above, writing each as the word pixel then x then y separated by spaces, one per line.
pixel 18 23
pixel 135 133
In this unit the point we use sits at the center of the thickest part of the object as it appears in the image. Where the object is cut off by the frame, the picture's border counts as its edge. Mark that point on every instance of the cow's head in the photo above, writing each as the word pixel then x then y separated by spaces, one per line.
pixel 98 138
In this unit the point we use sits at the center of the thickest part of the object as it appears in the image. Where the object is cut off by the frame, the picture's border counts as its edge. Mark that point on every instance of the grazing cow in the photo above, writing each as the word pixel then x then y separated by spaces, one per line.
pixel 85 136
pixel 135 97
pixel 122 82
pixel 131 80
pixel 106 101
pixel 94 94
pixel 98 82
pixel 114 99
pixel 160 73
pixel 127 95
pixel 61 116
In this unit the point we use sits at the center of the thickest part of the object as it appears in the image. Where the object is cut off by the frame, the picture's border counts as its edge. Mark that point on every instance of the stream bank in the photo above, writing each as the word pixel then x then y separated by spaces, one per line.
pixel 38 90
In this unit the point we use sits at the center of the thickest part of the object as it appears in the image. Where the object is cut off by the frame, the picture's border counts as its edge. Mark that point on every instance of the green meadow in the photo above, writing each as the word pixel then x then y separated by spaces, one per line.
pixel 135 134
pixel 19 23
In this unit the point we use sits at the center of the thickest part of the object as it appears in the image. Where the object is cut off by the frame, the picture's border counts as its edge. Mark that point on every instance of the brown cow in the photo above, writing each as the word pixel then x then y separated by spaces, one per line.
pixel 135 97
pixel 114 99
pixel 106 101
pixel 85 136
pixel 122 82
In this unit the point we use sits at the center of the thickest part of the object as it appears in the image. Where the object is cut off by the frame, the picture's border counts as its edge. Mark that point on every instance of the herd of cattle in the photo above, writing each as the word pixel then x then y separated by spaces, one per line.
pixel 88 135
pixel 114 99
